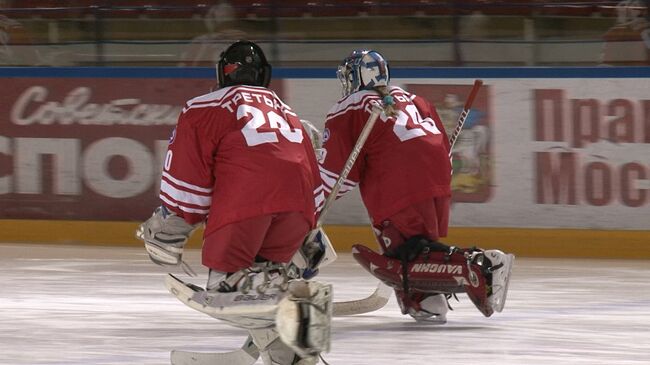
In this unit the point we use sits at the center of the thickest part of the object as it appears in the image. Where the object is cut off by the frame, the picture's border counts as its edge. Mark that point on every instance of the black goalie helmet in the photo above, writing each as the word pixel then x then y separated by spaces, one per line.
pixel 243 63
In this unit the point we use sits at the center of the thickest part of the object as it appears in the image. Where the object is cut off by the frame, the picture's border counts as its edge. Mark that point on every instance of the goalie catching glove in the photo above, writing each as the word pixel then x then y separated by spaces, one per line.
pixel 316 138
pixel 164 236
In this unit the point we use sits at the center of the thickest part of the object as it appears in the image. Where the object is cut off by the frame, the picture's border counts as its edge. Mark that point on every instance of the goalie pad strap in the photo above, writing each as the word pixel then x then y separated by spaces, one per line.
pixel 410 250
pixel 304 325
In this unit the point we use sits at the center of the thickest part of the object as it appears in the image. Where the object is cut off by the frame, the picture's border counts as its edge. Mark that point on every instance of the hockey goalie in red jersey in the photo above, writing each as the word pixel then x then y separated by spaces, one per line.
pixel 404 176
pixel 240 161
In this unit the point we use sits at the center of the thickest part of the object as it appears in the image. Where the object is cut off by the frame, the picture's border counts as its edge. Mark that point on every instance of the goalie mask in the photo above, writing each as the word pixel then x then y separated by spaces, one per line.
pixel 243 63
pixel 363 70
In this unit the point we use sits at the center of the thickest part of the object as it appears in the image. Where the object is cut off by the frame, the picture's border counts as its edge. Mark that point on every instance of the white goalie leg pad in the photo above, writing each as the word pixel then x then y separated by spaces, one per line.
pixel 238 309
pixel 272 350
pixel 304 317
pixel 250 301
pixel 164 255
pixel 246 355
pixel 275 352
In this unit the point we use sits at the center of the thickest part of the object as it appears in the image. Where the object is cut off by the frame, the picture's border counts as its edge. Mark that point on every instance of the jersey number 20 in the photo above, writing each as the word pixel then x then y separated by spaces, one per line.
pixel 254 137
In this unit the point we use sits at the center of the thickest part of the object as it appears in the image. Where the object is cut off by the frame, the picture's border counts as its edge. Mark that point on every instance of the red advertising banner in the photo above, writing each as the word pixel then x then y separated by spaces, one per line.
pixel 593 158
pixel 87 148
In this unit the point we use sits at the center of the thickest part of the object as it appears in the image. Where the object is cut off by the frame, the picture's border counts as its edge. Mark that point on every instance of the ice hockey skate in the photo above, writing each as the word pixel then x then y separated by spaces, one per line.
pixel 500 277
pixel 425 308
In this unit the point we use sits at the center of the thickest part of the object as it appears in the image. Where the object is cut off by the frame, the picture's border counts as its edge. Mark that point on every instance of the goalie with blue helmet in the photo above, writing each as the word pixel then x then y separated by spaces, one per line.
pixel 404 175
pixel 363 69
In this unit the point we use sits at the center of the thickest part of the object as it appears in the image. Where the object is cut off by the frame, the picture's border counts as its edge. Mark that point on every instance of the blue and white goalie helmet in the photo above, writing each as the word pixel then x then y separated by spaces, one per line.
pixel 362 70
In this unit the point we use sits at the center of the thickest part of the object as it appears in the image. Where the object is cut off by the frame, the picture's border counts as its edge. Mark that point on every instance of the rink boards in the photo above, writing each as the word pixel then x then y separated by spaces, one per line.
pixel 552 161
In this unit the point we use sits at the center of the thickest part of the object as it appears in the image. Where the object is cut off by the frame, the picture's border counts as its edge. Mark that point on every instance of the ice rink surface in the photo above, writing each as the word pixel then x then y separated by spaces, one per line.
pixel 70 305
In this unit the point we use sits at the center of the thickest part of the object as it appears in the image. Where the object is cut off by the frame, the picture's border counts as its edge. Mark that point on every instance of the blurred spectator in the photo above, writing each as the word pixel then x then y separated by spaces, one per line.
pixel 474 26
pixel 205 50
pixel 15 43
pixel 628 42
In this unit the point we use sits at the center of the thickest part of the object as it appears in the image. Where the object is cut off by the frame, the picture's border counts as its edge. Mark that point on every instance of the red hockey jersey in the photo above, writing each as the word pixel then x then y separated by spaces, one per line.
pixel 237 153
pixel 404 160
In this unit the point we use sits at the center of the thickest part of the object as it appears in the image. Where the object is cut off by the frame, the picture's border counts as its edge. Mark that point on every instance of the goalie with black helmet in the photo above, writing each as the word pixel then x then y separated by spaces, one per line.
pixel 404 175
pixel 239 161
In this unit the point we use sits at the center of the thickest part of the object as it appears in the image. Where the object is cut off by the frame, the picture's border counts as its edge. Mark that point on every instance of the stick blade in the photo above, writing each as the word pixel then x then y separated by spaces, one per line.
pixel 377 300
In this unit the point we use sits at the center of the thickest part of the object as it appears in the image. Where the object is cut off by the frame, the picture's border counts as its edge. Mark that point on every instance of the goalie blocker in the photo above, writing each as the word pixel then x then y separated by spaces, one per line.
pixel 423 266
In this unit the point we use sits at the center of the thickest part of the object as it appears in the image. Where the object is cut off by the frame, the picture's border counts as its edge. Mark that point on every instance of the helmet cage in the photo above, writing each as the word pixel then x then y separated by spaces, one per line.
pixel 362 70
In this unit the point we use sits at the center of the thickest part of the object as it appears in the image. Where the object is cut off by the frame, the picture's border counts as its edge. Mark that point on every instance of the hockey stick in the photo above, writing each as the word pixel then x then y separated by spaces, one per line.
pixel 361 140
pixel 463 114
pixel 379 298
